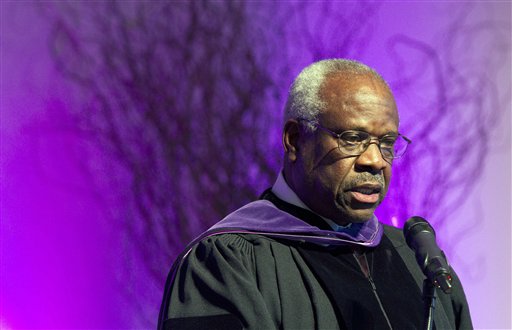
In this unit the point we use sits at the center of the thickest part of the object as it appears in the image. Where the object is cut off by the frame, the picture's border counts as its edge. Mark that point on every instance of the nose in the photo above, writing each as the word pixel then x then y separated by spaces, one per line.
pixel 371 159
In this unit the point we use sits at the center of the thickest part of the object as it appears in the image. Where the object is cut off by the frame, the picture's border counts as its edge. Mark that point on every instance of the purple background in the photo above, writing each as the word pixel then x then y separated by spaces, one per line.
pixel 68 258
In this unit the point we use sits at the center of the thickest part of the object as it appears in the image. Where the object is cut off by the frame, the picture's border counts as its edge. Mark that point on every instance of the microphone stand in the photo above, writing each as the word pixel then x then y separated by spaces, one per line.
pixel 429 303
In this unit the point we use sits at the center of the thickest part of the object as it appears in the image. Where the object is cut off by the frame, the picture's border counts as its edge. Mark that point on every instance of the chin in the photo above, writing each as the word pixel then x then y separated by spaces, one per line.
pixel 355 215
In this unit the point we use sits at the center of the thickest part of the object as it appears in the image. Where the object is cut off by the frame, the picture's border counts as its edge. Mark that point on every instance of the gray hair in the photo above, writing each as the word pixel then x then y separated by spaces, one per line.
pixel 303 98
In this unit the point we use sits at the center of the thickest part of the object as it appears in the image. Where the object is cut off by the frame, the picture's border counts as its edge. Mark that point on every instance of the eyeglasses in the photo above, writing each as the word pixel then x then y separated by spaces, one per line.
pixel 354 142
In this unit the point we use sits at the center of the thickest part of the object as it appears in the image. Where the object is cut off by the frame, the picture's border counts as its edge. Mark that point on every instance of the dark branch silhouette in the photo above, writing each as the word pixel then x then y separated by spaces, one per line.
pixel 186 98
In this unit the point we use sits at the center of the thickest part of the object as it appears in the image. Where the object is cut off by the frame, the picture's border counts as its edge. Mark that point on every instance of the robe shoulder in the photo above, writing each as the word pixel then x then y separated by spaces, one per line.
pixel 255 281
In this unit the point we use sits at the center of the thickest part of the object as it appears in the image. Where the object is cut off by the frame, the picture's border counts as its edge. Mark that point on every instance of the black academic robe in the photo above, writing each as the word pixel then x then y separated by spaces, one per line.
pixel 248 280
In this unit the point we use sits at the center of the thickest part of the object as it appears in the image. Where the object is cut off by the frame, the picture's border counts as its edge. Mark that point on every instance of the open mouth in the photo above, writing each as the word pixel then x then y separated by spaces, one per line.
pixel 367 193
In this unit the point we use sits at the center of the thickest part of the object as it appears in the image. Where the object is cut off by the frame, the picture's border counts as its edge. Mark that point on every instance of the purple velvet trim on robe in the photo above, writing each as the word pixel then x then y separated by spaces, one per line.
pixel 262 217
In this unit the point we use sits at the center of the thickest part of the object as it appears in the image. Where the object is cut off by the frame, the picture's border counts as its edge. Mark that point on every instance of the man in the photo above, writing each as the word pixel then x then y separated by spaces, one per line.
pixel 310 254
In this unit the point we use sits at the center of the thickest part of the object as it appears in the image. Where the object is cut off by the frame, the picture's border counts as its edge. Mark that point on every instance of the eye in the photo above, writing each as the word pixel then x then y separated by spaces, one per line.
pixel 388 141
pixel 354 137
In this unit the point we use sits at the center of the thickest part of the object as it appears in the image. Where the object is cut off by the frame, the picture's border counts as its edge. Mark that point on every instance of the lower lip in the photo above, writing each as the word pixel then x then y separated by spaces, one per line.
pixel 363 198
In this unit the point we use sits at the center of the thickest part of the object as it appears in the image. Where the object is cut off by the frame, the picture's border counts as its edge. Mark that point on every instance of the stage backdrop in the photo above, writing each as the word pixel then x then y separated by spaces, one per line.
pixel 127 128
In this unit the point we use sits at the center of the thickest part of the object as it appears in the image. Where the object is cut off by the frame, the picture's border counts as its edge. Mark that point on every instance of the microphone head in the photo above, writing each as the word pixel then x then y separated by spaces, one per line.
pixel 414 226
pixel 421 238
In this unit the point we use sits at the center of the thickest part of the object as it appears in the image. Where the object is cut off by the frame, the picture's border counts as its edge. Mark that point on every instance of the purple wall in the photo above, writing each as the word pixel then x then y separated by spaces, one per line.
pixel 68 259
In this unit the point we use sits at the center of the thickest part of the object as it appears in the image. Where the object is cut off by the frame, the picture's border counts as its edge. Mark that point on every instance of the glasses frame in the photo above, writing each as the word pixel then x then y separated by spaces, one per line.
pixel 372 138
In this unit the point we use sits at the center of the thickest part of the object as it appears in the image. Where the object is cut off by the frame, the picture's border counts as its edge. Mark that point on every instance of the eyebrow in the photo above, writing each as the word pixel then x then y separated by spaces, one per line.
pixel 359 128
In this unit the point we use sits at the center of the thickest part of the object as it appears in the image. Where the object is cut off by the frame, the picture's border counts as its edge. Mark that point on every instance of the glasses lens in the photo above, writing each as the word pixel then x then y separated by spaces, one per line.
pixel 353 142
pixel 399 147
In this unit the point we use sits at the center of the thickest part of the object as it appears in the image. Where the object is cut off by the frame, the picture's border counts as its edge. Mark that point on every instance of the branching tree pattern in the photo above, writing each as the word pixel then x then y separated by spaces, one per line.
pixel 186 99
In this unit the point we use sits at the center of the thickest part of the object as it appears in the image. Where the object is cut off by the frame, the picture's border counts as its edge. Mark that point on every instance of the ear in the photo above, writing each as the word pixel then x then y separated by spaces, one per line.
pixel 291 134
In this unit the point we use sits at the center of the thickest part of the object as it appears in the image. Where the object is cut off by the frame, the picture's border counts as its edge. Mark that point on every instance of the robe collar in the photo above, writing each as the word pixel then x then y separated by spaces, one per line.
pixel 276 218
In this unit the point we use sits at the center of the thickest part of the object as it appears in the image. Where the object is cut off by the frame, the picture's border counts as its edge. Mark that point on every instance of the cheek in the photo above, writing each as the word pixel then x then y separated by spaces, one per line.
pixel 338 177
pixel 326 171
pixel 307 153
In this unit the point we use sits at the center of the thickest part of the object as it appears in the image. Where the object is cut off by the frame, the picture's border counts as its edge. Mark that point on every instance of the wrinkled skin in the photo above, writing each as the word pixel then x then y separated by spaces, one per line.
pixel 342 188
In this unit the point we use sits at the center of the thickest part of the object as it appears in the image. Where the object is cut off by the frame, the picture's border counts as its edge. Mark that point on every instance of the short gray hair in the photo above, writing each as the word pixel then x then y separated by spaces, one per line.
pixel 303 98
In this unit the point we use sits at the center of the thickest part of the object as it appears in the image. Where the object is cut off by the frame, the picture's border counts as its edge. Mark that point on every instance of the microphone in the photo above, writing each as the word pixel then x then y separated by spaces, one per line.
pixel 421 238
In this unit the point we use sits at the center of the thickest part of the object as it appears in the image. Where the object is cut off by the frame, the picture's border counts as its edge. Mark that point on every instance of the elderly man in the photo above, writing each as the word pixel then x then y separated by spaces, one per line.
pixel 310 254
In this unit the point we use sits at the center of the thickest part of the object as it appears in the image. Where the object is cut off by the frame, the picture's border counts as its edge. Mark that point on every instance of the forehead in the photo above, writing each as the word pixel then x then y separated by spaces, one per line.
pixel 358 102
